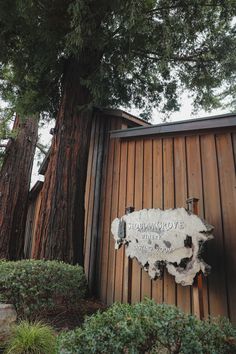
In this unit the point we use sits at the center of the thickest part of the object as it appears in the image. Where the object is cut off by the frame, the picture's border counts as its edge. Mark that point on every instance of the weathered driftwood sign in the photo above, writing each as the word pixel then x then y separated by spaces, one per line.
pixel 171 238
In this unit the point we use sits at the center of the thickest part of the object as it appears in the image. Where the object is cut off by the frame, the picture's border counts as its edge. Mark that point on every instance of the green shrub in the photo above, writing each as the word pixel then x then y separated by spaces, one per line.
pixel 35 287
pixel 148 328
pixel 35 338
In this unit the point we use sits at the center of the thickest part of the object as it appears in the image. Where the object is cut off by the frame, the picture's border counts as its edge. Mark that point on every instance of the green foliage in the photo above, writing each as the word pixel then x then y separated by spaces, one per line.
pixel 32 338
pixel 149 328
pixel 5 131
pixel 128 52
pixel 35 287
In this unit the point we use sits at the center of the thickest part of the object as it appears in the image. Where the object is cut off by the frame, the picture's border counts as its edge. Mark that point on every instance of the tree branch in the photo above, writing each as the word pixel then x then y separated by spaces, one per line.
pixel 174 7
pixel 6 138
pixel 198 56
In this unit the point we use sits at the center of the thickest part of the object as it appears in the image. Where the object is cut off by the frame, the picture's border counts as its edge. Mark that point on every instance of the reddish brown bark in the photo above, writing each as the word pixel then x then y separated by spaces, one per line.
pixel 60 227
pixel 15 176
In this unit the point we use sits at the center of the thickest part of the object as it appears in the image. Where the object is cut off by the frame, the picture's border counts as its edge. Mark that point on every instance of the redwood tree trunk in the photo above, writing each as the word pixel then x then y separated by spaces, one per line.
pixel 60 228
pixel 15 176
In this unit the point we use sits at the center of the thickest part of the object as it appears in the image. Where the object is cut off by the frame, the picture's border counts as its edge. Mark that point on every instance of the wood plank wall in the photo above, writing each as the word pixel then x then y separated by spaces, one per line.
pixel 97 201
pixel 162 172
pixel 156 172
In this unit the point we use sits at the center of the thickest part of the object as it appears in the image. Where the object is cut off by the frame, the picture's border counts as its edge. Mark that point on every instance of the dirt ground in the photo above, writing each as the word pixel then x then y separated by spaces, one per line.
pixel 64 319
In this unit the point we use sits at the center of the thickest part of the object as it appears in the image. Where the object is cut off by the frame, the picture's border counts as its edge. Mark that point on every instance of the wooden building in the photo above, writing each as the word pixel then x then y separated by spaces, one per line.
pixel 103 122
pixel 158 166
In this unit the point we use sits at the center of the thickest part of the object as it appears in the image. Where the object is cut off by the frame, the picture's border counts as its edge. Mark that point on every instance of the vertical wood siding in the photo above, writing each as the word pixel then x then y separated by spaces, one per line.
pixel 162 172
pixel 156 172
pixel 98 201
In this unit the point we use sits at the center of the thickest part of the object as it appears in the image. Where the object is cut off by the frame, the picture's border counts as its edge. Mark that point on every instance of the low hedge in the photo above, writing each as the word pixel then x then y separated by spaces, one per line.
pixel 36 286
pixel 148 328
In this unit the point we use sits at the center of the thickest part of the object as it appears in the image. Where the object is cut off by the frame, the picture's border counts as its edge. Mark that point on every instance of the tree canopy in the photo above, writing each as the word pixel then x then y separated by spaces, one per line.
pixel 140 52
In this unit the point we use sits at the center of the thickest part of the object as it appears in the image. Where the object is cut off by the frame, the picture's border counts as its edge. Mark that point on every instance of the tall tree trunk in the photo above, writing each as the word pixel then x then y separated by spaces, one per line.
pixel 15 176
pixel 60 228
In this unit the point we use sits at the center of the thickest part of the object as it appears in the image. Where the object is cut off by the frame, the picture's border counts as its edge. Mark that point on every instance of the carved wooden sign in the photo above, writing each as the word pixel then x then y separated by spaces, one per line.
pixel 158 238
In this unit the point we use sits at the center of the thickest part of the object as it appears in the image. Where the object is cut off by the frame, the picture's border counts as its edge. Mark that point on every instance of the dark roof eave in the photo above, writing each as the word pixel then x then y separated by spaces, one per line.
pixel 35 190
pixel 199 124
pixel 123 114
pixel 44 165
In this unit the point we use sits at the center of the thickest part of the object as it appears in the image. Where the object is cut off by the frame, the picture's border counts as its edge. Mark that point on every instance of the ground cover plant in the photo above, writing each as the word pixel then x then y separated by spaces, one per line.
pixel 36 287
pixel 147 327
pixel 31 338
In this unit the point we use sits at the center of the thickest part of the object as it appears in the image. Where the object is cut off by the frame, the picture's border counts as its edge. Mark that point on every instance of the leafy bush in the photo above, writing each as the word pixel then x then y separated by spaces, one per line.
pixel 148 328
pixel 35 287
pixel 35 338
